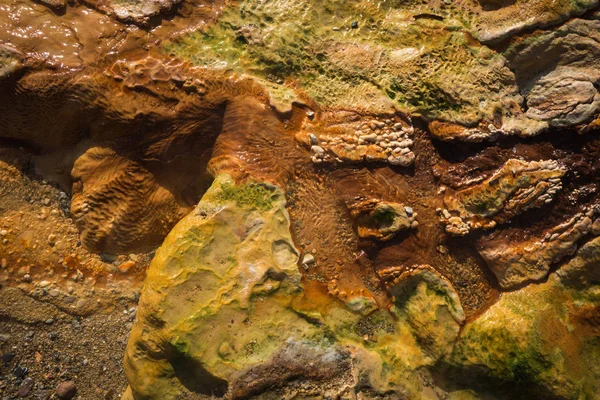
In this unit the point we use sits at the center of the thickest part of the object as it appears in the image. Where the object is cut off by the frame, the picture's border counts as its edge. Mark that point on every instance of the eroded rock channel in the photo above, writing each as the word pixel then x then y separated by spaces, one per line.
pixel 277 199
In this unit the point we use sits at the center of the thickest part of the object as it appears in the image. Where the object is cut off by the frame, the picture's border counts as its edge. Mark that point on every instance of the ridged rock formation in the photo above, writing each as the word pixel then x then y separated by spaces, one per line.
pixel 228 273
pixel 530 260
pixel 347 199
pixel 351 138
pixel 381 221
pixel 516 187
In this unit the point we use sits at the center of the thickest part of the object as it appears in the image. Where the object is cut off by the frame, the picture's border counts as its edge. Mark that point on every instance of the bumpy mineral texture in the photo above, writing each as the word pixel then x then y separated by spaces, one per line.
pixel 228 274
pixel 534 335
pixel 530 260
pixel 379 220
pixel 351 138
pixel 514 188
pixel 341 199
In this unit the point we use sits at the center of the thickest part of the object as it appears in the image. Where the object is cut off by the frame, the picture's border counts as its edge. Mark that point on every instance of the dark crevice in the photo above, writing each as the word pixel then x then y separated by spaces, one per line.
pixel 192 374
pixel 522 386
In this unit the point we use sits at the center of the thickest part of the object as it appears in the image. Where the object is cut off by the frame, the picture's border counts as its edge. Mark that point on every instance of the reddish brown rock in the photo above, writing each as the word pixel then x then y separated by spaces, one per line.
pixel 66 390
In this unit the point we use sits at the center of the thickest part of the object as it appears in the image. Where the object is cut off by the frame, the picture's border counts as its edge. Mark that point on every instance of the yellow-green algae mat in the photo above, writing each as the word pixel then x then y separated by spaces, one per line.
pixel 423 57
pixel 223 313
pixel 545 337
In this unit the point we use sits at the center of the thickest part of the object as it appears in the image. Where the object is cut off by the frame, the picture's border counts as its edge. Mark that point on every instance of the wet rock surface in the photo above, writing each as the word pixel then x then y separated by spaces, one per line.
pixel 381 221
pixel 323 199
pixel 531 260
pixel 513 189
pixel 354 139
pixel 240 362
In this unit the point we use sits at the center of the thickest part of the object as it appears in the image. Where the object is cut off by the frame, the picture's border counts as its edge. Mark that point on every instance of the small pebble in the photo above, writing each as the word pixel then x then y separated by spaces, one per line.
pixel 308 259
pixel 20 371
pixel 7 358
pixel 317 149
pixel 66 390
pixel 126 266
pixel 107 258
pixel 110 394
pixel 25 387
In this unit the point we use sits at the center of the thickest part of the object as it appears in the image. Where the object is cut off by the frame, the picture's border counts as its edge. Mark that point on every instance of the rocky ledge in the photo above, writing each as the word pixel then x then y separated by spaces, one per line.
pixel 300 199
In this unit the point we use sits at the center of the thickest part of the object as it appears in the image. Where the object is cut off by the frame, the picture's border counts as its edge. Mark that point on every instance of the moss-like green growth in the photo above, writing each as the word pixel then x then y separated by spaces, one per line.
pixel 375 323
pixel 507 358
pixel 384 216
pixel 252 195
pixel 352 53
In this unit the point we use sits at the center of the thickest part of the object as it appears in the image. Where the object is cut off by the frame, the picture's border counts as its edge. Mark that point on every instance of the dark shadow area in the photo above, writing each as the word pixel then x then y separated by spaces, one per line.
pixel 493 5
pixel 195 378
pixel 453 378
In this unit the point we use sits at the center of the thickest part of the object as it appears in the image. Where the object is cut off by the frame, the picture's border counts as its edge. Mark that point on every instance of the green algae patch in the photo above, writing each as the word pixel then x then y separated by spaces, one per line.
pixel 223 312
pixel 357 54
pixel 255 195
pixel 536 336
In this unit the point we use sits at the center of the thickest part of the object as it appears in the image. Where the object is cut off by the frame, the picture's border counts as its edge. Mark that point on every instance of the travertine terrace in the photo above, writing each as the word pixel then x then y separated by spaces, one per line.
pixel 344 199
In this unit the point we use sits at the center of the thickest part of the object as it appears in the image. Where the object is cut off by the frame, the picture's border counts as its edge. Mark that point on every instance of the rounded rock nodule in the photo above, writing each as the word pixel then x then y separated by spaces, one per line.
pixel 66 390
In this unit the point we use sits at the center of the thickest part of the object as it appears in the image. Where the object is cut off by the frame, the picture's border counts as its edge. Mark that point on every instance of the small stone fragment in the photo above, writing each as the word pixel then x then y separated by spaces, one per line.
pixel 41 394
pixel 25 387
pixel 20 371
pixel 7 358
pixel 308 259
pixel 126 266
pixel 66 390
